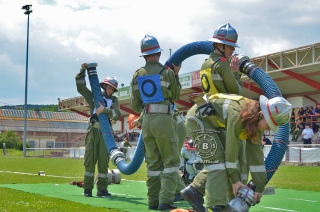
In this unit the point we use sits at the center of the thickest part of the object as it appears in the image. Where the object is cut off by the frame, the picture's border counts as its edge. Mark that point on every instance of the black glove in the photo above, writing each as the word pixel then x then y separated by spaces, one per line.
pixel 205 110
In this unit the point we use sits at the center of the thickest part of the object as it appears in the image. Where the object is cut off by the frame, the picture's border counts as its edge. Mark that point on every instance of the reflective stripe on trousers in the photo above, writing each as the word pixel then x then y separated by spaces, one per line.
pixel 89 174
pixel 102 175
pixel 213 167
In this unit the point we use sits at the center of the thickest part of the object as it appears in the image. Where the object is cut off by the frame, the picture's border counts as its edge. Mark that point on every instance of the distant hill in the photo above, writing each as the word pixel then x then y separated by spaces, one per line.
pixel 32 107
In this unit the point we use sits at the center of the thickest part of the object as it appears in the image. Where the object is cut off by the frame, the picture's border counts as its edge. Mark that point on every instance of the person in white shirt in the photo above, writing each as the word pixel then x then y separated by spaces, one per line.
pixel 307 134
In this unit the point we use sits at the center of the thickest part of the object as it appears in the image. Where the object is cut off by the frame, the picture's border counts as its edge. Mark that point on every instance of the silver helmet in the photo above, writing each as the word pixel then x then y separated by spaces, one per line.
pixel 276 111
pixel 149 45
pixel 110 81
pixel 225 34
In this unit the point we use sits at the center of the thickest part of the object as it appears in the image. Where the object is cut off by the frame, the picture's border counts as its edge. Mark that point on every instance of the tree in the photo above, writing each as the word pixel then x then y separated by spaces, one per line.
pixel 11 139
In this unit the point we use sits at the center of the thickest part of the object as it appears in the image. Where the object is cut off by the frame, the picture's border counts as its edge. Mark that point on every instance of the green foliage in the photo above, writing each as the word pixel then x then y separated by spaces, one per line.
pixel 52 108
pixel 19 145
pixel 11 139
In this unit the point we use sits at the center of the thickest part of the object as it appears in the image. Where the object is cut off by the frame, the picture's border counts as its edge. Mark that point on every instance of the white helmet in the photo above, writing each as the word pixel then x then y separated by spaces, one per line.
pixel 276 111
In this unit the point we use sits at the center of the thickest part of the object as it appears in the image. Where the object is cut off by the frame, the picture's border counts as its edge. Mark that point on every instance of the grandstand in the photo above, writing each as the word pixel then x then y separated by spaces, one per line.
pixel 45 129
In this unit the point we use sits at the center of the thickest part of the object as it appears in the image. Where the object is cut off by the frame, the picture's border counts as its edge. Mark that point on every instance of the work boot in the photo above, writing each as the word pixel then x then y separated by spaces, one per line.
pixel 194 198
pixel 217 208
pixel 177 198
pixel 87 193
pixel 166 206
pixel 153 207
pixel 103 193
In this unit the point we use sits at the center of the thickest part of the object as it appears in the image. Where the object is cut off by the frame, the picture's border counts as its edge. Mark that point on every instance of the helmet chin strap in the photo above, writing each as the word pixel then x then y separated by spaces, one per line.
pixel 222 51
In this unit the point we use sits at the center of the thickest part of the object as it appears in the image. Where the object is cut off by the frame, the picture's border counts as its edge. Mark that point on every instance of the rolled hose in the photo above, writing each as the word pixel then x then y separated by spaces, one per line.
pixel 258 75
pixel 116 156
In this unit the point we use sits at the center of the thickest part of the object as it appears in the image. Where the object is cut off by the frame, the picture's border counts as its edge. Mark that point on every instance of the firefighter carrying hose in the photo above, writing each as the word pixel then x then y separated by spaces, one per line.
pixel 96 150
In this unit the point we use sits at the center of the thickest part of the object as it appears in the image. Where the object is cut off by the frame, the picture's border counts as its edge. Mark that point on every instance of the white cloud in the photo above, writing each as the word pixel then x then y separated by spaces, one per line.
pixel 65 33
pixel 263 46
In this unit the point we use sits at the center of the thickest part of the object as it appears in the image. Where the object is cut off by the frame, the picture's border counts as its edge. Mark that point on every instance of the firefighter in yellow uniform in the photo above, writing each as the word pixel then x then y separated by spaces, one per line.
pixel 243 119
pixel 219 74
pixel 154 88
pixel 96 151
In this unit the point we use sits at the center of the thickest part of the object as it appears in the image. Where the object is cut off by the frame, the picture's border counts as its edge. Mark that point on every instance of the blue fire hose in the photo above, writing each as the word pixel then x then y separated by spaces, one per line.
pixel 116 156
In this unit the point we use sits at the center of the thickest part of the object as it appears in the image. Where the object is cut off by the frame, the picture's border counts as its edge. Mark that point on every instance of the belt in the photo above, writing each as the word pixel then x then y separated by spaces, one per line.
pixel 158 108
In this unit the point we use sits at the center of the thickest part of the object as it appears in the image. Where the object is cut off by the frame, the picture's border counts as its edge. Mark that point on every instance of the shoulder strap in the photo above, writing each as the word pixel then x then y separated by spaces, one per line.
pixel 162 70
pixel 216 62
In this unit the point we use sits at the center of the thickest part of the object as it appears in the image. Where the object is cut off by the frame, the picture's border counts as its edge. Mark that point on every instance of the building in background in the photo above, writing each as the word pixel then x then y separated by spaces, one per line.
pixel 46 129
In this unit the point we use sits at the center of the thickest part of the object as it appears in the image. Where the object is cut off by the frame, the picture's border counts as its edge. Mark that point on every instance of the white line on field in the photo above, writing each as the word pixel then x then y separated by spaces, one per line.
pixel 60 176
pixel 277 209
pixel 306 200
pixel 38 174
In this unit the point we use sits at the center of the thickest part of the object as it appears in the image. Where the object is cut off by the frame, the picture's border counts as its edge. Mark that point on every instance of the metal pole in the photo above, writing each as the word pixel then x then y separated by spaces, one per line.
pixel 170 52
pixel 4 148
pixel 25 96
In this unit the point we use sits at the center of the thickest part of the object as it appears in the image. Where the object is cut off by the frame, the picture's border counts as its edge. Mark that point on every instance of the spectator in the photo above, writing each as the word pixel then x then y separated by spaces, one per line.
pixel 292 121
pixel 265 140
pixel 299 127
pixel 317 141
pixel 317 116
pixel 121 146
pixel 313 119
pixel 301 113
pixel 307 134
pixel 116 139
pixel 130 136
pixel 126 145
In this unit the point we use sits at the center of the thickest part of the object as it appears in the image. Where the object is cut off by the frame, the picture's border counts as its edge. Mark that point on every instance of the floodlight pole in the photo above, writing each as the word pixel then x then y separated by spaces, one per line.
pixel 27 12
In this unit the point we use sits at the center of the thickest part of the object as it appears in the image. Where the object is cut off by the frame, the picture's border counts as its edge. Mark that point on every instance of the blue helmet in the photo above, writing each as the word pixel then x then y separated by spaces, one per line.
pixel 225 34
pixel 149 45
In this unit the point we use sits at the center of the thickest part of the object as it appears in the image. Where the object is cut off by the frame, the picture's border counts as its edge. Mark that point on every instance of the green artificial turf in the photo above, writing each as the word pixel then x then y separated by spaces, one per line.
pixel 126 196
pixel 21 189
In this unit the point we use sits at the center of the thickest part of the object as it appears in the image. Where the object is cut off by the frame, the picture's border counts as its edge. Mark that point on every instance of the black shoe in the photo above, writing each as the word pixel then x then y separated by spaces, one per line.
pixel 177 198
pixel 194 198
pixel 166 206
pixel 218 208
pixel 154 207
pixel 103 193
pixel 87 193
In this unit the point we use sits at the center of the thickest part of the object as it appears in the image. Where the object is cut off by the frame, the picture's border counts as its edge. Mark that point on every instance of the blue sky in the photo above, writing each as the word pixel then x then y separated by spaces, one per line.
pixel 66 33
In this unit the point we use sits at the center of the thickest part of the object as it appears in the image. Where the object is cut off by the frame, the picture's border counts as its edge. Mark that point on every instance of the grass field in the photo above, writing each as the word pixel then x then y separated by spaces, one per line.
pixel 14 169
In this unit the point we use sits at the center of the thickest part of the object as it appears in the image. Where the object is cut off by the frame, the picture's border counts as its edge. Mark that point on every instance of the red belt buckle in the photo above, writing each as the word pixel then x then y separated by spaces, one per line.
pixel 148 109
